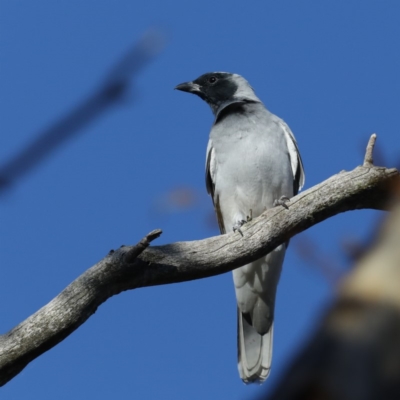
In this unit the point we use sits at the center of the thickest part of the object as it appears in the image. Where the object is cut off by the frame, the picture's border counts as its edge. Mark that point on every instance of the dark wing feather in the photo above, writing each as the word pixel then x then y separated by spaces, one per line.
pixel 299 173
pixel 295 158
pixel 211 190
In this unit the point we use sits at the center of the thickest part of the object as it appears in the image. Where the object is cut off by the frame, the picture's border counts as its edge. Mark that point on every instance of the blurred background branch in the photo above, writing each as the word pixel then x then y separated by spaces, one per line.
pixel 355 353
pixel 110 92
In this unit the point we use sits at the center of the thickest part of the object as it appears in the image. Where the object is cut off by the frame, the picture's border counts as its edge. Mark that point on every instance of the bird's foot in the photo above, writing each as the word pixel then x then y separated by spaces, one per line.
pixel 240 223
pixel 282 202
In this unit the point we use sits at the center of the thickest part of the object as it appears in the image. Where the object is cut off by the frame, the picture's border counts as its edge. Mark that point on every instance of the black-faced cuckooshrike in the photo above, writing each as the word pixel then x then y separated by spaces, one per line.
pixel 253 162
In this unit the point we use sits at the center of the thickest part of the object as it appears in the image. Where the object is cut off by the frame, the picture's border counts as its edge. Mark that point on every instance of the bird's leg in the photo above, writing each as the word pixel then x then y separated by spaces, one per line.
pixel 282 202
pixel 240 223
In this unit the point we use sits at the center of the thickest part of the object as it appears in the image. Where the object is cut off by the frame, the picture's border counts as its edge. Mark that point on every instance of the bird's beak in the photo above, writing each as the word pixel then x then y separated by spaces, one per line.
pixel 189 87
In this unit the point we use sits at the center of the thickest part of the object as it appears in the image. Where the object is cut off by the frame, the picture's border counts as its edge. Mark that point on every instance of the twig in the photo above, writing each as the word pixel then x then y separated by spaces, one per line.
pixel 135 251
pixel 368 160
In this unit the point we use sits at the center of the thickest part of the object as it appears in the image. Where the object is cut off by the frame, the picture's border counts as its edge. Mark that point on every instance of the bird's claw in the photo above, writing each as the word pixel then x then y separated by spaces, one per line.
pixel 238 225
pixel 282 202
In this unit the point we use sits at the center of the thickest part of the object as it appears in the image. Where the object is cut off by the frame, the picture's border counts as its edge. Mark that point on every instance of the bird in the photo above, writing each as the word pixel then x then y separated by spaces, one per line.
pixel 252 164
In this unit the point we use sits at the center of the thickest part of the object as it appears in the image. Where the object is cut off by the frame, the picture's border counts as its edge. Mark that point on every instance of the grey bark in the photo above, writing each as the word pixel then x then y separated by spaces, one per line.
pixel 131 267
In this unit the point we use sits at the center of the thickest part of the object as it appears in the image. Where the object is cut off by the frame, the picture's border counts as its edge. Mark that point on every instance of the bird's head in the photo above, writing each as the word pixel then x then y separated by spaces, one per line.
pixel 220 89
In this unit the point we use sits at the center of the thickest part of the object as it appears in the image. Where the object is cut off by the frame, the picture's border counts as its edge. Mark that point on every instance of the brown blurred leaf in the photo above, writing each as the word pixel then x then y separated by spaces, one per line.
pixel 178 199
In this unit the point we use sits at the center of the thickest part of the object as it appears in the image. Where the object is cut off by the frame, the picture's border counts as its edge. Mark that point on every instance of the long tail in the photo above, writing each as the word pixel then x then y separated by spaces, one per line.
pixel 254 352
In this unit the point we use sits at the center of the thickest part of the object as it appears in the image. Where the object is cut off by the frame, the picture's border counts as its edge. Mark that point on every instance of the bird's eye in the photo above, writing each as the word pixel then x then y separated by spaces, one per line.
pixel 212 79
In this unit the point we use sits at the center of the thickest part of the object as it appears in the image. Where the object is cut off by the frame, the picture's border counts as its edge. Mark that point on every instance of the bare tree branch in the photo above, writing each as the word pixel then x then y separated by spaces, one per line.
pixel 138 266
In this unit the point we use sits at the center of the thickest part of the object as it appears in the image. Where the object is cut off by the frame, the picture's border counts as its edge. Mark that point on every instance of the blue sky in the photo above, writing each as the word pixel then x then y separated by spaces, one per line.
pixel 330 70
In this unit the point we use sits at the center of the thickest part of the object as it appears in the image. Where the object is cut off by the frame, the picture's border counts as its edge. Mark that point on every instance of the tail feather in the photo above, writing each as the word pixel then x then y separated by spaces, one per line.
pixel 254 352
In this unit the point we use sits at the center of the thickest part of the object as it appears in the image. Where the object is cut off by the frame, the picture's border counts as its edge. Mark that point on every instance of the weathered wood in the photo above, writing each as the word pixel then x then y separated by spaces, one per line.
pixel 131 267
